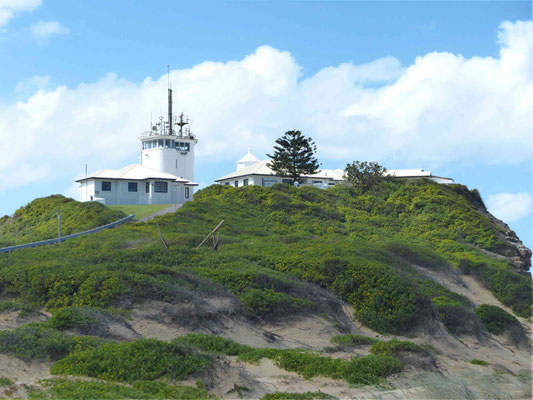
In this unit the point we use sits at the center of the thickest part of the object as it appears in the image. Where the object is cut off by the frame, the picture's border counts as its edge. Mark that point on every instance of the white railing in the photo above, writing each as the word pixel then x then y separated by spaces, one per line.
pixel 63 238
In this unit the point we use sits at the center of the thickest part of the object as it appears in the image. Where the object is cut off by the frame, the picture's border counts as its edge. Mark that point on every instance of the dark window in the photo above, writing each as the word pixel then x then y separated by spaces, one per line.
pixel 289 181
pixel 147 187
pixel 167 143
pixel 269 182
pixel 316 182
pixel 106 186
pixel 183 146
pixel 161 187
pixel 227 183
pixel 245 182
pixel 132 186
pixel 160 143
pixel 186 192
pixel 236 184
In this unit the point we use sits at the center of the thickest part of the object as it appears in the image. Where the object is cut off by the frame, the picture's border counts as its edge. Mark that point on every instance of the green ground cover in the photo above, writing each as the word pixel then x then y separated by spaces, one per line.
pixel 140 211
pixel 275 242
pixel 495 319
pixel 38 220
pixel 78 389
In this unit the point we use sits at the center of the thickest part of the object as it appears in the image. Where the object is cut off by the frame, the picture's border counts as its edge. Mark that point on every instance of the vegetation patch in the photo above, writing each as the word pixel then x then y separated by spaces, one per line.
pixel 78 389
pixel 140 211
pixel 353 340
pixel 298 396
pixel 8 305
pixel 38 220
pixel 362 370
pixel 37 341
pixel 495 319
pixel 393 346
pixel 6 381
pixel 144 359
pixel 478 362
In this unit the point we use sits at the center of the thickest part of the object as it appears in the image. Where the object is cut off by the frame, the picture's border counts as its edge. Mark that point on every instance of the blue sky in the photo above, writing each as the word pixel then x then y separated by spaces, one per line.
pixel 436 85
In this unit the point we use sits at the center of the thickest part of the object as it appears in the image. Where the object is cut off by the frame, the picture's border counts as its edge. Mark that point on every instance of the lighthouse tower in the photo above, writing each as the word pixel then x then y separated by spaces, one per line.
pixel 169 145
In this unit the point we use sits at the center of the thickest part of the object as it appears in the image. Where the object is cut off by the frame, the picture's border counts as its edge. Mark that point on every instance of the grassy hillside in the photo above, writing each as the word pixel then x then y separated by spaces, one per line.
pixel 139 211
pixel 38 219
pixel 284 252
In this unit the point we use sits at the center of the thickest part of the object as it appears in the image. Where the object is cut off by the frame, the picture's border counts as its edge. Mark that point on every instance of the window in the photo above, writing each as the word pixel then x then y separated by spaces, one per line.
pixel 317 182
pixel 167 143
pixel 106 186
pixel 160 143
pixel 186 192
pixel 227 183
pixel 183 146
pixel 236 184
pixel 288 181
pixel 269 182
pixel 147 187
pixel 132 186
pixel 245 182
pixel 161 187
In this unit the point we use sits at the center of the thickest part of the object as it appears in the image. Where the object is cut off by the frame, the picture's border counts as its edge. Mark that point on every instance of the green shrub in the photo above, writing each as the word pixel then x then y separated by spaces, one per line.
pixel 78 389
pixel 478 362
pixel 298 396
pixel 353 340
pixel 214 344
pixel 8 305
pixel 36 341
pixel 6 381
pixel 393 346
pixel 453 313
pixel 67 318
pixel 495 319
pixel 143 359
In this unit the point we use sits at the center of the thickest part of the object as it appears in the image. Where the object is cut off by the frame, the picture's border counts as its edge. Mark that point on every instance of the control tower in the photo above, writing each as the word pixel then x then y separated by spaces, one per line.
pixel 169 145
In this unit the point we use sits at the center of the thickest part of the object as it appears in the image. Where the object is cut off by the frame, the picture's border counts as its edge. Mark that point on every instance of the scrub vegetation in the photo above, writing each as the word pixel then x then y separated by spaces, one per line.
pixel 38 220
pixel 140 211
pixel 284 252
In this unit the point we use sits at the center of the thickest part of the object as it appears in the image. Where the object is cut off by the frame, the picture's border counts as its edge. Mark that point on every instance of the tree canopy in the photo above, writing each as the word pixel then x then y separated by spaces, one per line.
pixel 294 156
pixel 364 175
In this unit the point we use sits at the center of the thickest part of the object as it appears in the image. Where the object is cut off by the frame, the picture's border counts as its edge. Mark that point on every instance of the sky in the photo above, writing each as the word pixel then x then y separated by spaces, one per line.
pixel 445 86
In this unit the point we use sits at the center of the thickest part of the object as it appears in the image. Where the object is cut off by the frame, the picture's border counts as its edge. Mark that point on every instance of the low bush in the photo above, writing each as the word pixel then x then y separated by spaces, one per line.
pixel 8 305
pixel 353 340
pixel 144 359
pixel 36 341
pixel 74 317
pixel 495 319
pixel 478 362
pixel 298 396
pixel 6 381
pixel 453 314
pixel 393 346
pixel 78 389
pixel 363 370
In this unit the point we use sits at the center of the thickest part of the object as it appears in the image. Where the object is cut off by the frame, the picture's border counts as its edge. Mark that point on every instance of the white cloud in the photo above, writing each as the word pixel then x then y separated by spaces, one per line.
pixel 43 30
pixel 9 8
pixel 443 108
pixel 509 207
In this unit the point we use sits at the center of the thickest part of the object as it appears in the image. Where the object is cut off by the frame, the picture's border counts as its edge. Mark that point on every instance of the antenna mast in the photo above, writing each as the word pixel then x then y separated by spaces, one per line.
pixel 169 102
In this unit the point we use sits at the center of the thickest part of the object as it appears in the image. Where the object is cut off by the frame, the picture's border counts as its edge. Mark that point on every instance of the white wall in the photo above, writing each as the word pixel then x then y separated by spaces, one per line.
pixel 169 159
pixel 119 193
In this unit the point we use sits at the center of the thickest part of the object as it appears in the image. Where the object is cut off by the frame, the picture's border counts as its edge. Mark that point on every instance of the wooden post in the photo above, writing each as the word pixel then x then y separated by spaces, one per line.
pixel 212 235
pixel 161 236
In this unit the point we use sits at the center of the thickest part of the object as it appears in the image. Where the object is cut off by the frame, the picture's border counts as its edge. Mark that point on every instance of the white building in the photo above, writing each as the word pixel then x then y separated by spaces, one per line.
pixel 252 171
pixel 166 173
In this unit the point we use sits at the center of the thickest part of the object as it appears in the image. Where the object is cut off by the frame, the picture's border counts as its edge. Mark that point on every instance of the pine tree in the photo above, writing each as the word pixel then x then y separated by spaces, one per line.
pixel 294 156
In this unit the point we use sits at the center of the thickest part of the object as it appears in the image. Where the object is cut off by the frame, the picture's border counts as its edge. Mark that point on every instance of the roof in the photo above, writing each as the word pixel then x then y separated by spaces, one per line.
pixel 248 158
pixel 262 168
pixel 135 172
pixel 408 173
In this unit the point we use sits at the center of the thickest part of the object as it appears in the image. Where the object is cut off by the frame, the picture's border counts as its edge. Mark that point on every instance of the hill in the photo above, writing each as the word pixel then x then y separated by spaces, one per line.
pixel 38 219
pixel 327 288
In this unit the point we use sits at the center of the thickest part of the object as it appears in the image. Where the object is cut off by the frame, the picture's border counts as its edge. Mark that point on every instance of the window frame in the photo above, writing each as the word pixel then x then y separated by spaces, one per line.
pixel 132 185
pixel 159 184
pixel 105 185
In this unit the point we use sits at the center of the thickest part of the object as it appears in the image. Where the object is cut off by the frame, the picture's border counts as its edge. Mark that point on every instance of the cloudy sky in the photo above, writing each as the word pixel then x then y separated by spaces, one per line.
pixel 444 86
